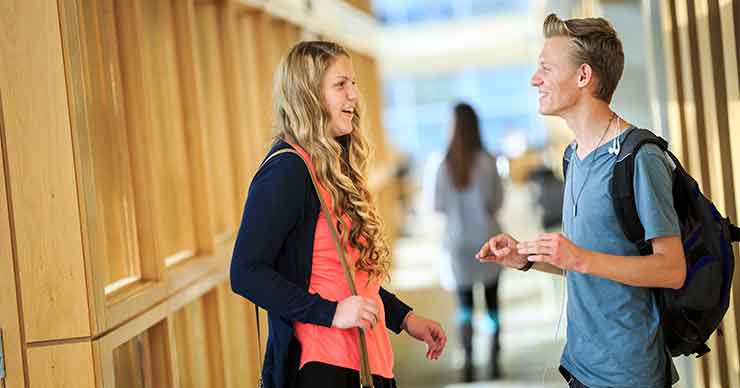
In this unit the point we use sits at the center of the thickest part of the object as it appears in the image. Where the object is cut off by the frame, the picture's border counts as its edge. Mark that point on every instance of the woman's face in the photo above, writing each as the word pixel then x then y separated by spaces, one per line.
pixel 340 95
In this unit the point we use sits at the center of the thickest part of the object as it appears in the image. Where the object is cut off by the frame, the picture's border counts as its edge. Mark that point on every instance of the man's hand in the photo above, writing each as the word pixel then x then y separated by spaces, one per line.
pixel 554 249
pixel 501 249
pixel 355 311
pixel 427 331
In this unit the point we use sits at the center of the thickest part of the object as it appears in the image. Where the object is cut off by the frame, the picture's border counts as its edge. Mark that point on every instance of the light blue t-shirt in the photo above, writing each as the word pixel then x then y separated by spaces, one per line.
pixel 614 337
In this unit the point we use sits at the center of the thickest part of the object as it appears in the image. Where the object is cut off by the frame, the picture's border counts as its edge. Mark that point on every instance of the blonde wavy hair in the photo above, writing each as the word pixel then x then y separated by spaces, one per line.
pixel 301 117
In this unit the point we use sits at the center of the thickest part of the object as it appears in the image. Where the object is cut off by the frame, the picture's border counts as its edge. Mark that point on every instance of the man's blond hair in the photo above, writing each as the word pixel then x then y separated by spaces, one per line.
pixel 594 42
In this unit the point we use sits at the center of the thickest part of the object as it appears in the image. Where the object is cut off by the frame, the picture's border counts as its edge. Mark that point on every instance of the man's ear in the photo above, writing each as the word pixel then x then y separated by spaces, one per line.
pixel 585 75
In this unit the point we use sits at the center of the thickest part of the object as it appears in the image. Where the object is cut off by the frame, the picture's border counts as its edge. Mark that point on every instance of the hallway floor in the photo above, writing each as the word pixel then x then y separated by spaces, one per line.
pixel 530 310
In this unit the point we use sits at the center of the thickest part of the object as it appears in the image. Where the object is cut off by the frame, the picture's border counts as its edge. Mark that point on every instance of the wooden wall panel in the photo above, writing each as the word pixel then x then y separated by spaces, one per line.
pixel 160 59
pixel 212 81
pixel 10 328
pixel 126 18
pixel 132 363
pixel 717 158
pixel 41 177
pixel 254 108
pixel 729 15
pixel 239 338
pixel 238 111
pixel 61 366
pixel 99 129
pixel 676 115
pixel 695 139
pixel 195 348
pixel 195 125
pixel 706 59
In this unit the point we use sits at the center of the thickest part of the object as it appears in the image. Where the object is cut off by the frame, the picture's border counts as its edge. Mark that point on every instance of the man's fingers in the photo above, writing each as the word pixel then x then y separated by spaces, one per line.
pixel 537 258
pixel 502 252
pixel 535 247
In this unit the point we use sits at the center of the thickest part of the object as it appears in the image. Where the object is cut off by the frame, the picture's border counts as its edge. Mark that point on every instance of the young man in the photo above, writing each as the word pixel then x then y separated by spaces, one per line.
pixel 614 336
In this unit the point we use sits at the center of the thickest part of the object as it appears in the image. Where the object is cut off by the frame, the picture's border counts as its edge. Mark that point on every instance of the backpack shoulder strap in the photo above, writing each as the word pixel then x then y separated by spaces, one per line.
pixel 622 185
pixel 567 155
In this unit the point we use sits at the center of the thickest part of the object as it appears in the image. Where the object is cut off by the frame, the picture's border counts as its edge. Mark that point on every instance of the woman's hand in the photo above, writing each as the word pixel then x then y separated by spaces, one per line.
pixel 427 331
pixel 355 311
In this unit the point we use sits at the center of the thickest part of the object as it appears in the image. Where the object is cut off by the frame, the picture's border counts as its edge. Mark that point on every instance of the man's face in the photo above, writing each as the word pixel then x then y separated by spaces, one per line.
pixel 556 78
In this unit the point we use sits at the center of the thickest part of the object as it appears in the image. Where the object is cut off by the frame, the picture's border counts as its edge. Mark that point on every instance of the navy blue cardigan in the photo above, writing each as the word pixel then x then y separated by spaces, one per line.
pixel 271 263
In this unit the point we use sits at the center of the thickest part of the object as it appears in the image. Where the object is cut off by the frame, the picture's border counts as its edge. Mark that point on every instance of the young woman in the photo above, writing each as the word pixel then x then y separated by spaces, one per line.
pixel 469 193
pixel 284 257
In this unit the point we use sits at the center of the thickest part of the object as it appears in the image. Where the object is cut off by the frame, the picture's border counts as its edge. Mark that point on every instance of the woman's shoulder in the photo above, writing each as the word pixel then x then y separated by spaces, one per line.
pixel 285 167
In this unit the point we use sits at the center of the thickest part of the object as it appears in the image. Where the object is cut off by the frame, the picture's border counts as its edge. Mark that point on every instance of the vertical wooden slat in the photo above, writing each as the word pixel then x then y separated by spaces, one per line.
pixel 40 172
pixel 211 61
pixel 173 360
pixel 213 317
pixel 138 123
pixel 101 142
pixel 174 216
pixel 728 19
pixel 185 349
pixel 719 155
pixel 694 105
pixel 10 324
pixel 194 118
pixel 253 118
pixel 674 84
pixel 162 355
pixel 79 58
pixel 259 88
pixel 236 101
pixel 269 55
pixel 239 336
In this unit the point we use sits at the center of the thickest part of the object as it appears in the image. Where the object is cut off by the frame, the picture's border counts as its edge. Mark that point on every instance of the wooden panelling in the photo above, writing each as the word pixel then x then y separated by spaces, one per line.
pixel 254 111
pixel 240 142
pixel 674 85
pixel 164 96
pixel 132 363
pixel 126 18
pixel 718 155
pixel 162 355
pixel 728 19
pixel 212 80
pixel 239 339
pixel 695 139
pixel 61 366
pixel 40 172
pixel 10 330
pixel 194 121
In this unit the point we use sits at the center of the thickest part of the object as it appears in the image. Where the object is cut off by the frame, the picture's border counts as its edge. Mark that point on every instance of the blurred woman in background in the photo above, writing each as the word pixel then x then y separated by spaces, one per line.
pixel 469 193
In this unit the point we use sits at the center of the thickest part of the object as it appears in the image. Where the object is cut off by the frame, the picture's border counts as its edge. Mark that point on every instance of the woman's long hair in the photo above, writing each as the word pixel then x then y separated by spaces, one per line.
pixel 341 163
pixel 464 146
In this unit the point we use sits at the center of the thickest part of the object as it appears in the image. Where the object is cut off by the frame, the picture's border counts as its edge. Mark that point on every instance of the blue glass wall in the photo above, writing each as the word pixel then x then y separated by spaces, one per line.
pixel 418 110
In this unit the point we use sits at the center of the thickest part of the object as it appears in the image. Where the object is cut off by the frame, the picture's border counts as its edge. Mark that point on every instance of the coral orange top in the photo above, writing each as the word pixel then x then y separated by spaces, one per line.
pixel 330 345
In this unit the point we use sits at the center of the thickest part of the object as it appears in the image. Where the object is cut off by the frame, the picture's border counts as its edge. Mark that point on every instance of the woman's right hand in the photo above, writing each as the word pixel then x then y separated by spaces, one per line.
pixel 501 249
pixel 355 311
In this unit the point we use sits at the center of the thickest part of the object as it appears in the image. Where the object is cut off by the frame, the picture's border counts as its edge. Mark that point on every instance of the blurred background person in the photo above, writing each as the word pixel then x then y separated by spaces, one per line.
pixel 468 191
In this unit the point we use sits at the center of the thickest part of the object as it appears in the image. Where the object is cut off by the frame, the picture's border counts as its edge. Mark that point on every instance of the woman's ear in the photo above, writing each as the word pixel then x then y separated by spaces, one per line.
pixel 585 75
